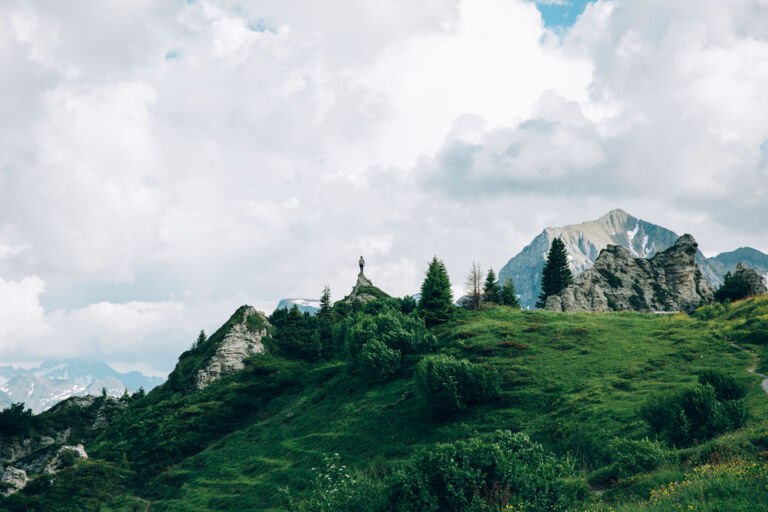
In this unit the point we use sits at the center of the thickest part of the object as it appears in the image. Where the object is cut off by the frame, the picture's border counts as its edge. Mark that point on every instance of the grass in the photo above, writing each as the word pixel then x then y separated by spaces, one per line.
pixel 571 381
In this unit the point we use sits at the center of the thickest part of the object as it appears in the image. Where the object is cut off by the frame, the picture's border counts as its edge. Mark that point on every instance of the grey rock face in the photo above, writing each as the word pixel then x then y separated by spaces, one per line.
pixel 240 342
pixel 56 464
pixel 585 241
pixel 670 281
pixel 359 294
pixel 15 479
pixel 755 280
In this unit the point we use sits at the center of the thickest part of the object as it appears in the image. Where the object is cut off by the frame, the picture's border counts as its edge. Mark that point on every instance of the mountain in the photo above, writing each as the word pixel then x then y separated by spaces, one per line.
pixel 42 387
pixel 310 306
pixel 585 241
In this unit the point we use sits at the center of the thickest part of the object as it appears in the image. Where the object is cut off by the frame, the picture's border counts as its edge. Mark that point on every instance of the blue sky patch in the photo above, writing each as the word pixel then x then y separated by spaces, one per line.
pixel 560 13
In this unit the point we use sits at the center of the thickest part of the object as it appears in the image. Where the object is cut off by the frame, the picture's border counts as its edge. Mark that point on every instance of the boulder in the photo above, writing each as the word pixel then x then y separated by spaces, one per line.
pixel 14 480
pixel 669 281
pixel 244 339
pixel 364 291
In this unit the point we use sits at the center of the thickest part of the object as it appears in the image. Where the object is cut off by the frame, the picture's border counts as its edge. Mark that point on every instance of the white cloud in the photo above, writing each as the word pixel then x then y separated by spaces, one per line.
pixel 165 162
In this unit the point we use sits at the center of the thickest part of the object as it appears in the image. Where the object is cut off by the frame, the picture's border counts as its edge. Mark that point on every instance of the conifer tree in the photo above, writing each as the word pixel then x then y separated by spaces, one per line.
pixel 507 295
pixel 491 290
pixel 473 288
pixel 201 338
pixel 325 301
pixel 436 303
pixel 556 274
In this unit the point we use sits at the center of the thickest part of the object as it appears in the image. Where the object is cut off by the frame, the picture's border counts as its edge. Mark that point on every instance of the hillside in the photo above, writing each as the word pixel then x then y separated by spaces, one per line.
pixel 573 382
pixel 585 241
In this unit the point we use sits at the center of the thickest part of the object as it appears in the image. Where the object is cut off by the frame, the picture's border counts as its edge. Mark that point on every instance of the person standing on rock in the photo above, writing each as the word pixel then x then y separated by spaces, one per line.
pixel 362 264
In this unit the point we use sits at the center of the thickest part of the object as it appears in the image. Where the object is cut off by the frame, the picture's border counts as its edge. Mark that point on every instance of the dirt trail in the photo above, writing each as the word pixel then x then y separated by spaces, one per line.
pixel 753 368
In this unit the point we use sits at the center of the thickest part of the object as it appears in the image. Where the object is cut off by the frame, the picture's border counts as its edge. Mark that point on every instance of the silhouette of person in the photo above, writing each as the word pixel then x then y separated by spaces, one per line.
pixel 362 264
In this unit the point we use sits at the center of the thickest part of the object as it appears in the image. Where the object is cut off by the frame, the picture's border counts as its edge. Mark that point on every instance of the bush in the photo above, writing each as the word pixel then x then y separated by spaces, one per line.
pixel 378 362
pixel 446 385
pixel 334 489
pixel 726 387
pixel 301 335
pixel 15 421
pixel 734 287
pixel 693 415
pixel 629 457
pixel 377 345
pixel 754 331
pixel 477 473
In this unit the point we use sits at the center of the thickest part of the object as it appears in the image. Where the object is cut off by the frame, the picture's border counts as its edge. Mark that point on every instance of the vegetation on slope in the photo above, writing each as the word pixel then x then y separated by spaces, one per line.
pixel 575 384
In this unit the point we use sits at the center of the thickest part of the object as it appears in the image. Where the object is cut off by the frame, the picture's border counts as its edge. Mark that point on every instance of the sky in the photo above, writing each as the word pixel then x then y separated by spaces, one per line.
pixel 162 163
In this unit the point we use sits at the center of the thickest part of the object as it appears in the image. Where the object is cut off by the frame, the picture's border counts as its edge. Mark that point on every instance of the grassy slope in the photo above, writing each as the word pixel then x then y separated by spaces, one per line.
pixel 570 380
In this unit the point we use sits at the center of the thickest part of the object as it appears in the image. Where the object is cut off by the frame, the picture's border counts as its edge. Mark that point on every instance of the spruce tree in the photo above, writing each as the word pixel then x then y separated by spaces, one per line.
pixel 473 288
pixel 325 301
pixel 436 303
pixel 556 274
pixel 491 290
pixel 507 295
pixel 201 338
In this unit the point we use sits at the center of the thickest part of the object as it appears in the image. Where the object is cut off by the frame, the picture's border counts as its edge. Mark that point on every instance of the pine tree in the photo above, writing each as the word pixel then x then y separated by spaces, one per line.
pixel 507 295
pixel 556 274
pixel 325 301
pixel 201 338
pixel 436 303
pixel 734 287
pixel 491 290
pixel 473 288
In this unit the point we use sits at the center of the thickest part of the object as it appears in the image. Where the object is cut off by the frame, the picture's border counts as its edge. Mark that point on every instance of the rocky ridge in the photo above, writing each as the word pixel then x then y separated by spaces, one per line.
pixel 243 339
pixel 585 241
pixel 669 281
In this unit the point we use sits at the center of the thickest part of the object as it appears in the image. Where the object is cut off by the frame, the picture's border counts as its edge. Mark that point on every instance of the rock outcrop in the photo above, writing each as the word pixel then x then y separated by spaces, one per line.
pixel 364 291
pixel 57 446
pixel 585 241
pixel 243 339
pixel 670 281
pixel 755 280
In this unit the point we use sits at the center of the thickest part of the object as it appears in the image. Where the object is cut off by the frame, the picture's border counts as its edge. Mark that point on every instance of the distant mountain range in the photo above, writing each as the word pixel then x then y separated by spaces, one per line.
pixel 585 241
pixel 44 386
pixel 310 306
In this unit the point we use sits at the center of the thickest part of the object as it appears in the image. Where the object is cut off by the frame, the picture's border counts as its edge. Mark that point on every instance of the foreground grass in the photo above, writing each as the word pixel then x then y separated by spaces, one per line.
pixel 572 381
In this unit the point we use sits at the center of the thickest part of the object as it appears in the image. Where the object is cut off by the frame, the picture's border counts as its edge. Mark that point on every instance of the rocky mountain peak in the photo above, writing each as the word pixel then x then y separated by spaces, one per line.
pixel 242 339
pixel 669 281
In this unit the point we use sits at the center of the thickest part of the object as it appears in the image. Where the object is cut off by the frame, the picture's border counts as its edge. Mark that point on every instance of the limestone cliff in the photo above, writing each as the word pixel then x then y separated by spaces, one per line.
pixel 669 281
pixel 243 339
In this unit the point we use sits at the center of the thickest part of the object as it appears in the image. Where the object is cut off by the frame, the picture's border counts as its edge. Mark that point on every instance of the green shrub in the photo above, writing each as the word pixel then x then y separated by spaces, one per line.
pixel 734 287
pixel 463 476
pixel 629 457
pixel 693 415
pixel 446 385
pixel 334 489
pixel 377 345
pixel 726 386
pixel 301 335
pixel 378 362
pixel 16 421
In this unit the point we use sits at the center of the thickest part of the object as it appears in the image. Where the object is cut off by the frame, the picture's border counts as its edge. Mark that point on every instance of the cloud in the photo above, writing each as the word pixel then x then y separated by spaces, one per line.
pixel 166 162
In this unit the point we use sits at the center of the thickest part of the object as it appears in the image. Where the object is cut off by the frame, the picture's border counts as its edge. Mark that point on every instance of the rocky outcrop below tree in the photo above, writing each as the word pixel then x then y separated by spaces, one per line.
pixel 669 281
pixel 749 275
pixel 243 339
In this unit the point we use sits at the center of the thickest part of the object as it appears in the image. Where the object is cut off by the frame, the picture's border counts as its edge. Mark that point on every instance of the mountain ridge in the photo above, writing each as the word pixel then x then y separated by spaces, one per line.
pixel 585 240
